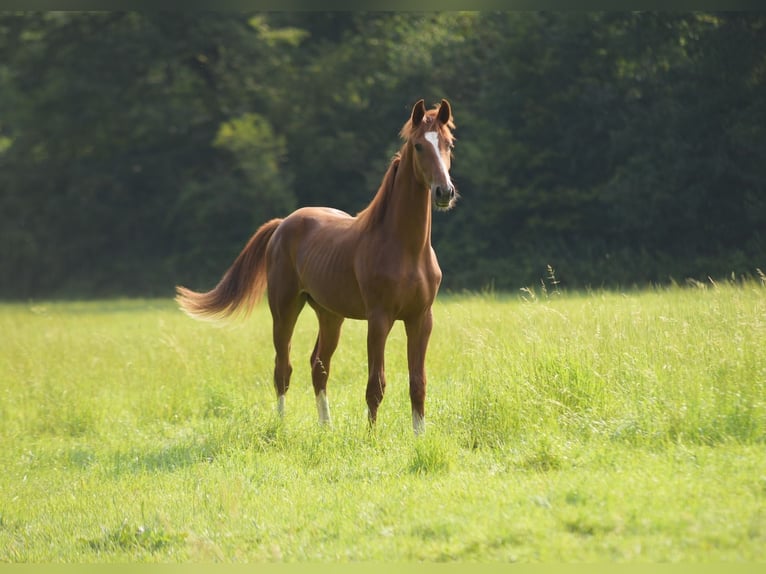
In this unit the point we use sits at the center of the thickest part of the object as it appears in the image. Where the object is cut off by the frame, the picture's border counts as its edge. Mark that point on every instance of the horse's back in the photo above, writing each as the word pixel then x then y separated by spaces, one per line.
pixel 308 220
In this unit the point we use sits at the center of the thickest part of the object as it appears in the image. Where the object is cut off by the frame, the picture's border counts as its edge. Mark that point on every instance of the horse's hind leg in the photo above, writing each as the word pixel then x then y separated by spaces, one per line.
pixel 284 312
pixel 327 341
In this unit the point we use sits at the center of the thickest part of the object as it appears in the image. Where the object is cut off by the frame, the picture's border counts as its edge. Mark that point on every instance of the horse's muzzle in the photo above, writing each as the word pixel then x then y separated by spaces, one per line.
pixel 444 197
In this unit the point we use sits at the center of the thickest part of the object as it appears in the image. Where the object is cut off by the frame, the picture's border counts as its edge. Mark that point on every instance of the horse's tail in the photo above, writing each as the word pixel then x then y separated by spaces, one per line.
pixel 241 286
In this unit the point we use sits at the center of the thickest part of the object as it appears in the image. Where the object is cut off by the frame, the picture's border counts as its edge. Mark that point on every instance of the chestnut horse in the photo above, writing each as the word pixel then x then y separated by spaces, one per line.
pixel 378 266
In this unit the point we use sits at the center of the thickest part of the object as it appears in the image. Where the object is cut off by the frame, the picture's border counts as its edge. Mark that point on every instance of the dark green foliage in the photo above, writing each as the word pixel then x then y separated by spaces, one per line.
pixel 138 151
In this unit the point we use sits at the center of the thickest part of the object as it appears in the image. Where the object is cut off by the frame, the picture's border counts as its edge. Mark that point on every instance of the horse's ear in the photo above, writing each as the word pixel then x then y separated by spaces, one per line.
pixel 418 111
pixel 445 112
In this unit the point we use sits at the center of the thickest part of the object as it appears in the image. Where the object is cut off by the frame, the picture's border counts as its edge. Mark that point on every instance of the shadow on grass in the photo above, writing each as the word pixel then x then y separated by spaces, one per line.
pixel 169 458
pixel 206 446
pixel 135 540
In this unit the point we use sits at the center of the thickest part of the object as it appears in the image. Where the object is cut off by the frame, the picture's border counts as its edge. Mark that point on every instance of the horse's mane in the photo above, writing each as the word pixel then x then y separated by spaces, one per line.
pixel 373 213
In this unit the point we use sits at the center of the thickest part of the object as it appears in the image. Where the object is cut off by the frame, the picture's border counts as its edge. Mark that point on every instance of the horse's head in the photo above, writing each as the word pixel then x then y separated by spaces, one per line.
pixel 429 136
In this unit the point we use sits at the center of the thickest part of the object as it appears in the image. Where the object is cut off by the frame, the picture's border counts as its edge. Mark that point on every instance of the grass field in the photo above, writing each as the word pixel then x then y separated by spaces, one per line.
pixel 576 427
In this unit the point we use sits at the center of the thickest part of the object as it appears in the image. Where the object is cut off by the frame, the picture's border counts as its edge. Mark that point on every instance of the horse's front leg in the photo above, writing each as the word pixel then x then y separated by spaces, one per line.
pixel 378 327
pixel 418 334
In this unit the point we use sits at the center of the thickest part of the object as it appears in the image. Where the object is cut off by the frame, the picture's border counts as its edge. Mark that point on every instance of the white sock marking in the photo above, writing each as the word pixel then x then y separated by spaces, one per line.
pixel 323 408
pixel 418 424
pixel 281 405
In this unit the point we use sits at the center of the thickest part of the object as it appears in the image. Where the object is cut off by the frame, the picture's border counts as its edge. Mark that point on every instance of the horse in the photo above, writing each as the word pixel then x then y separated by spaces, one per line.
pixel 377 266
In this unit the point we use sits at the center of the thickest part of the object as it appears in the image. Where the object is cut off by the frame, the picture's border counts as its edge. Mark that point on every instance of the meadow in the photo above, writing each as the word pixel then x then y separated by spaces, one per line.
pixel 600 426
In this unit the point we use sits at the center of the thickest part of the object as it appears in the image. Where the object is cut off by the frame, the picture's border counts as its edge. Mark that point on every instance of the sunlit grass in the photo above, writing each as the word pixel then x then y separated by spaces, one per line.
pixel 565 427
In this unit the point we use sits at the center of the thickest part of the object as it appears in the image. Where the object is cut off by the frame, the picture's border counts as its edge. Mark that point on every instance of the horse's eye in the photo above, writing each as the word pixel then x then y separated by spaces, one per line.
pixel 418 147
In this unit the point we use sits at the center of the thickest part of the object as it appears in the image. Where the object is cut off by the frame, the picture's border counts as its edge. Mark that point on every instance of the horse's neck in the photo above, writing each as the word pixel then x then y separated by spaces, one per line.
pixel 409 210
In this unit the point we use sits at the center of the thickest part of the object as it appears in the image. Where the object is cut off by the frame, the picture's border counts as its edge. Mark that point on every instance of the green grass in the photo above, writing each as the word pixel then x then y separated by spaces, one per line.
pixel 574 427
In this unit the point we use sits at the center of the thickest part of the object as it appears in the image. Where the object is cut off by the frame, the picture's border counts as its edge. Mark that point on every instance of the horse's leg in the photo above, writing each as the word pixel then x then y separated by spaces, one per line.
pixel 327 342
pixel 284 312
pixel 378 327
pixel 418 333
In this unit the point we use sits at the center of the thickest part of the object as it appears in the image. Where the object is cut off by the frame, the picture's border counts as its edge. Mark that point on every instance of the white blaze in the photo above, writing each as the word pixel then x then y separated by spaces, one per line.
pixel 433 139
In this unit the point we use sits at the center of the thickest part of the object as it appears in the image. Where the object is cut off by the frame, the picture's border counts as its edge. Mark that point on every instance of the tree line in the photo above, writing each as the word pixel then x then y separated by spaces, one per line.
pixel 141 150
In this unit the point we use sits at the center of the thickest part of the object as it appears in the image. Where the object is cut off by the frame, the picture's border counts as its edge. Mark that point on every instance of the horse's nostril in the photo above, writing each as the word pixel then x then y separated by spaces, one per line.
pixel 439 192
